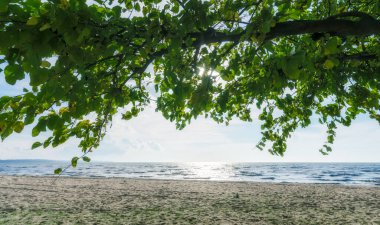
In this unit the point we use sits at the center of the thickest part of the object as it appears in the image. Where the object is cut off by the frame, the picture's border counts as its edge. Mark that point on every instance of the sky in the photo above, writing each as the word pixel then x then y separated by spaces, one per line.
pixel 151 138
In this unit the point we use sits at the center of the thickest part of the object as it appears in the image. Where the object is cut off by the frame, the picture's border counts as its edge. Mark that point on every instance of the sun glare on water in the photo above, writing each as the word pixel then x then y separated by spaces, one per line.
pixel 209 170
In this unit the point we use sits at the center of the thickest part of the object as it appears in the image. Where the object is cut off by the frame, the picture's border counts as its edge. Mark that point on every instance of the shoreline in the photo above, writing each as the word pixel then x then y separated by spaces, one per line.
pixel 34 200
pixel 196 180
pixel 366 174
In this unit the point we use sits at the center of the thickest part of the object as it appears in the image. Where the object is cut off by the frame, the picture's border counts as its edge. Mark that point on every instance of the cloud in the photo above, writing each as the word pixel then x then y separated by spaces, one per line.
pixel 150 137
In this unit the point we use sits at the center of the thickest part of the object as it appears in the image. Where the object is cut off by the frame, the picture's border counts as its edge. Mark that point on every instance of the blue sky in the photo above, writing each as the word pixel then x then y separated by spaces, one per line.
pixel 150 137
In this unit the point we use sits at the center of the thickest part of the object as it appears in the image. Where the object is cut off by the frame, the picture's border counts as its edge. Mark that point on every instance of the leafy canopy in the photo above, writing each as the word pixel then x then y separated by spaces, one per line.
pixel 286 61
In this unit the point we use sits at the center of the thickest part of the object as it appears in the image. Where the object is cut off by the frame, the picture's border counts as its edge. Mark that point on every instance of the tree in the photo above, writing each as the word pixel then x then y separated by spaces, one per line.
pixel 288 61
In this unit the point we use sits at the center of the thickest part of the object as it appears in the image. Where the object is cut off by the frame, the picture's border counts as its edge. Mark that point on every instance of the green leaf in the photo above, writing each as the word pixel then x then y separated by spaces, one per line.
pixel 13 73
pixel 47 142
pixel 4 6
pixel 4 100
pixel 74 161
pixel 29 119
pixel 128 4
pixel 137 7
pixel 18 126
pixel 6 132
pixel 127 116
pixel 331 46
pixel 328 64
pixel 45 27
pixel 85 33
pixel 291 69
pixel 32 21
pixel 58 171
pixel 52 121
pixel 38 76
pixel 45 64
pixel 175 8
pixel 36 145
pixel 63 110
pixel 35 132
pixel 134 111
pixel 227 75
pixel 86 159
pixel 41 126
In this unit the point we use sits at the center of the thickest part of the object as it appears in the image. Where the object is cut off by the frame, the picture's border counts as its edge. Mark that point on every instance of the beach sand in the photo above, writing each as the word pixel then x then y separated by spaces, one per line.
pixel 35 200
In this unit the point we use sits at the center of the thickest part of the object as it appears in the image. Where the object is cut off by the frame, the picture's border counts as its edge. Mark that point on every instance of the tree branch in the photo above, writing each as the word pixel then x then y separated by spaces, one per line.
pixel 142 69
pixel 365 26
pixel 359 57
pixel 340 27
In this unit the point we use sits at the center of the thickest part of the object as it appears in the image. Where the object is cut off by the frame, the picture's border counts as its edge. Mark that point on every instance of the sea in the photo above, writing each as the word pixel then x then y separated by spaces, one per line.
pixel 364 174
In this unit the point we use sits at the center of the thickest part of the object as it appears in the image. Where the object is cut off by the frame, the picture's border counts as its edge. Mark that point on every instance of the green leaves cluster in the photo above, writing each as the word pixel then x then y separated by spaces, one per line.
pixel 220 59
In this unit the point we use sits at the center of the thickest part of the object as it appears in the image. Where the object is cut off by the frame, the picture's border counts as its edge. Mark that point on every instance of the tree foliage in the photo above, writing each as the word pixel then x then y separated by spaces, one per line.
pixel 285 61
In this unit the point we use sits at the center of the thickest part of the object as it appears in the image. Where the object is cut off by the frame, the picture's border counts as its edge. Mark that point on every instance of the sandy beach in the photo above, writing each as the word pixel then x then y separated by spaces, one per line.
pixel 36 200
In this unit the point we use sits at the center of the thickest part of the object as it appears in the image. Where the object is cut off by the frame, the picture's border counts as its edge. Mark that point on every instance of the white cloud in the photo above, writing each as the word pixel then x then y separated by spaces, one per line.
pixel 150 137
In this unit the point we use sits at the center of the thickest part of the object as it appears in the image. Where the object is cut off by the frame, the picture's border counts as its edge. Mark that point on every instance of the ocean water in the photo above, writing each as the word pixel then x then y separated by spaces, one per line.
pixel 337 173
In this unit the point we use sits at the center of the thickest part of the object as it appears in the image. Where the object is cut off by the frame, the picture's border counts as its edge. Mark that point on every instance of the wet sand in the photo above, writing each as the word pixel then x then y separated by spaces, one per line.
pixel 36 200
